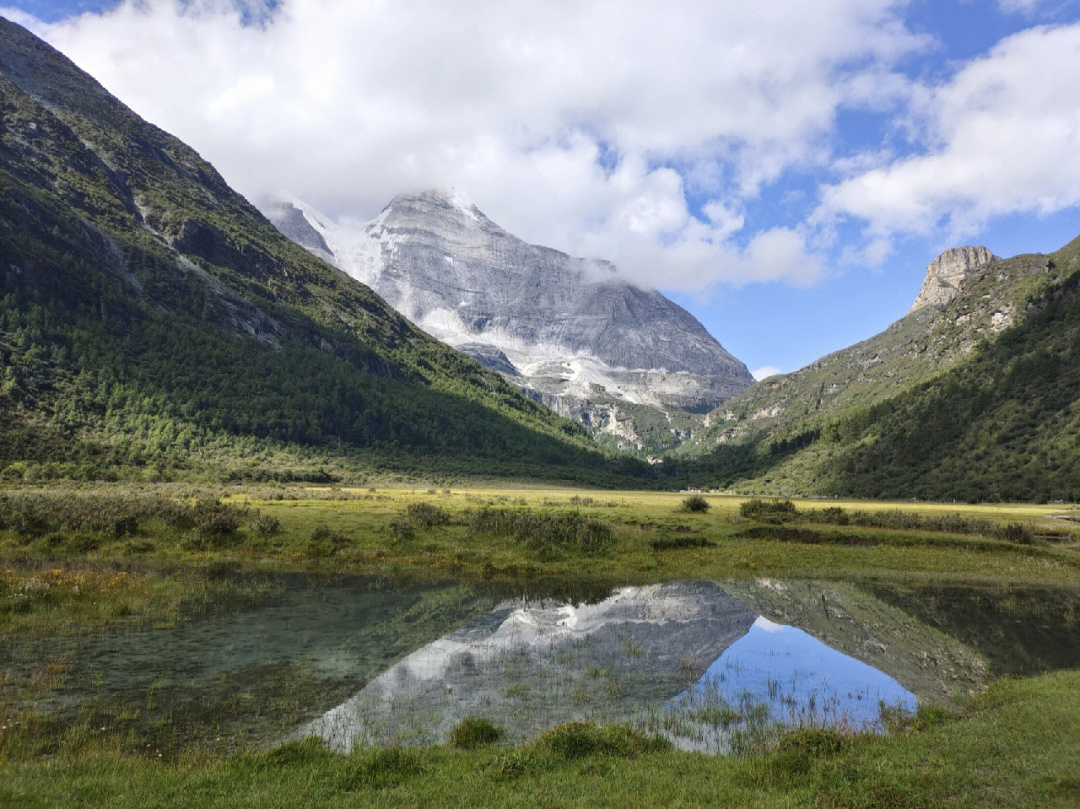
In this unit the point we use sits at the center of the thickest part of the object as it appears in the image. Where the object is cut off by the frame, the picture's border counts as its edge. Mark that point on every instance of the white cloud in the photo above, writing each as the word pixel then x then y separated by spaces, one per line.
pixel 1004 138
pixel 1022 6
pixel 578 125
pixel 765 371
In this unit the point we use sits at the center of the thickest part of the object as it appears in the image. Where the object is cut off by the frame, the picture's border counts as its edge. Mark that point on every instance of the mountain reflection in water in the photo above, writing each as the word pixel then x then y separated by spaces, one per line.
pixel 639 656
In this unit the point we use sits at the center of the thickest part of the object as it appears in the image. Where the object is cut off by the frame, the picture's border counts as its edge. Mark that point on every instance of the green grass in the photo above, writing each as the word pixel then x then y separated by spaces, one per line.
pixel 1013 746
pixel 99 553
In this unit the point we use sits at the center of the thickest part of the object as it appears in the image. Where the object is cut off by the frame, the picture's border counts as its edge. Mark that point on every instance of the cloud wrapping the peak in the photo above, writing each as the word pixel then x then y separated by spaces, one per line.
pixel 585 126
pixel 641 133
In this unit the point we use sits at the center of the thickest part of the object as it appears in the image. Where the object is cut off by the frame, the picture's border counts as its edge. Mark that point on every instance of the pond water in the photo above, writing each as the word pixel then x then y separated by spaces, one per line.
pixel 712 666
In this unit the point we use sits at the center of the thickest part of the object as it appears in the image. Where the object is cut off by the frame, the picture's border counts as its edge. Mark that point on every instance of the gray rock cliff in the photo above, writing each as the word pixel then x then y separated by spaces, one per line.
pixel 947 272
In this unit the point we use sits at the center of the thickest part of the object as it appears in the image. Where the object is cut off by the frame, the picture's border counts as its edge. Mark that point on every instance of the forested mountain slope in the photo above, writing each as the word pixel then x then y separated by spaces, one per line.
pixel 976 398
pixel 152 319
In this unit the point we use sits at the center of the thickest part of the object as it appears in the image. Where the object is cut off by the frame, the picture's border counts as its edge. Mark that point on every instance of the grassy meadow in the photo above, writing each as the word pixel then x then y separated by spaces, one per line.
pixel 76 560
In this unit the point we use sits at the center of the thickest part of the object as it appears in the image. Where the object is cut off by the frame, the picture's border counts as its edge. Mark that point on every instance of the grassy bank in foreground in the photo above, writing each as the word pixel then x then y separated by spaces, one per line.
pixel 1015 745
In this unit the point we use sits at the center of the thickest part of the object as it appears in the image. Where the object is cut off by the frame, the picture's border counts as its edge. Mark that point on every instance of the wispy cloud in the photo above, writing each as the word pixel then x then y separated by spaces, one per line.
pixel 1004 138
pixel 765 371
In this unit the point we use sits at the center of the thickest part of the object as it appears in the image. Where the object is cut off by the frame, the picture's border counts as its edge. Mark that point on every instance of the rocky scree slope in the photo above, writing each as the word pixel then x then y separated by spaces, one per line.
pixel 620 359
pixel 151 317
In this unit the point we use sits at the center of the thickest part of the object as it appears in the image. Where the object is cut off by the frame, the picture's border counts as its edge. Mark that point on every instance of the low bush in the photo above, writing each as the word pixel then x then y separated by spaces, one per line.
pixel 34 514
pixel 899 519
pixel 325 541
pixel 266 526
pixel 669 543
pixel 474 732
pixel 427 515
pixel 1015 532
pixel 545 532
pixel 772 511
pixel 694 504
pixel 401 530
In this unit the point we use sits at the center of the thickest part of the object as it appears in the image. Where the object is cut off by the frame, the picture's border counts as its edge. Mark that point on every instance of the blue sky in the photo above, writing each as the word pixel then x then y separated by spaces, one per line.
pixel 785 172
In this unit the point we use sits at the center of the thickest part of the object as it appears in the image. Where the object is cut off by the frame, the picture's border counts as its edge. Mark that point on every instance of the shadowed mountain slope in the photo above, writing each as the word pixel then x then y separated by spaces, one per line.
pixel 151 317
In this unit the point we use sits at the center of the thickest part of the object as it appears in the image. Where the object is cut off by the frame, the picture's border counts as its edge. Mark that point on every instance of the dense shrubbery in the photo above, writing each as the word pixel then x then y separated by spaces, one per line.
pixel 899 519
pixel 680 543
pixel 325 541
pixel 33 514
pixel 694 504
pixel 427 515
pixel 771 511
pixel 545 532
pixel 266 525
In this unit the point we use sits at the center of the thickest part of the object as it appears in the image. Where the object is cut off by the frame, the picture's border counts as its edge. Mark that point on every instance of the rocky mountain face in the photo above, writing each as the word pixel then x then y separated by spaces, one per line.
pixel 947 272
pixel 614 356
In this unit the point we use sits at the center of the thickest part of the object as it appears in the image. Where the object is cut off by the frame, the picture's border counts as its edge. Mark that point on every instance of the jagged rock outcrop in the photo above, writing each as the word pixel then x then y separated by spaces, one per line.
pixel 570 329
pixel 947 272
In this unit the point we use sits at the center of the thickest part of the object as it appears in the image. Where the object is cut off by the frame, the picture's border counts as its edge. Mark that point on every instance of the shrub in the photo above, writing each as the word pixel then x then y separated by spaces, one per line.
pixel 266 526
pixel 474 732
pixel 833 515
pixel 1015 532
pixel 695 504
pixel 772 511
pixel 670 543
pixel 401 530
pixel 898 519
pixel 213 520
pixel 325 541
pixel 544 532
pixel 427 515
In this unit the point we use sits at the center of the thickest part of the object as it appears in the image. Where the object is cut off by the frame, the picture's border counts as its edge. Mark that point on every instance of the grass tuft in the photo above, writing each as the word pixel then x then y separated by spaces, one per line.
pixel 474 732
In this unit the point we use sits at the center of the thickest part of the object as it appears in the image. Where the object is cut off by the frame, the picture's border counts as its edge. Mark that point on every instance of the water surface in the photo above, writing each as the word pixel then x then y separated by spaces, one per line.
pixel 707 664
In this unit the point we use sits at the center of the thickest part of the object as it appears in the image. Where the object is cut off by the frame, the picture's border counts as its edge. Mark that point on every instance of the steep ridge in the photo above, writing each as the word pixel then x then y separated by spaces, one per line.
pixel 616 357
pixel 152 317
pixel 966 398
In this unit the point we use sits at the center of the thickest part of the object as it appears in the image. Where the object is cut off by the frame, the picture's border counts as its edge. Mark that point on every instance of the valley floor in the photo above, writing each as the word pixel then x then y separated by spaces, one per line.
pixel 77 560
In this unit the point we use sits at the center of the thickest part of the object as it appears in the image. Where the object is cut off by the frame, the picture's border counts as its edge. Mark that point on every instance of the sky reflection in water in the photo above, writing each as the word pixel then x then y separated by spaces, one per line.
pixel 800 679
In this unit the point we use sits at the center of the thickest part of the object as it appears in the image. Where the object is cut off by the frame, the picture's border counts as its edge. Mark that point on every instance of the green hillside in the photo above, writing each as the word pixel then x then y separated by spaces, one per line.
pixel 949 403
pixel 153 323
